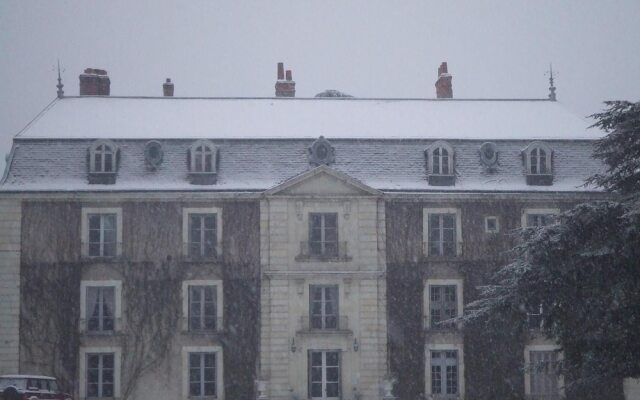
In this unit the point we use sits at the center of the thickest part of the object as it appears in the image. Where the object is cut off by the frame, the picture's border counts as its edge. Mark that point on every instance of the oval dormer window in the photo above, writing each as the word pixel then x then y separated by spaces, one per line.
pixel 153 153
pixel 321 152
pixel 488 154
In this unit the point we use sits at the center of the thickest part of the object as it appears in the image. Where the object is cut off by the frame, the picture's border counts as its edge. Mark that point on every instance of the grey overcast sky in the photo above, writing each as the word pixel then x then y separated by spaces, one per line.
pixel 368 48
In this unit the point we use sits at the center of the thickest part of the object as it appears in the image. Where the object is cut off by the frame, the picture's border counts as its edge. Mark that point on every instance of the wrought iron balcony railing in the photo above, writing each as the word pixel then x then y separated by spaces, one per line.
pixel 325 251
pixel 324 323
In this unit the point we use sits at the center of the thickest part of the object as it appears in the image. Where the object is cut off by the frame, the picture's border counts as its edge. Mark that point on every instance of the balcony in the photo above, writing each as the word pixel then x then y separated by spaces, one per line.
pixel 314 251
pixel 327 324
pixel 216 328
pixel 441 326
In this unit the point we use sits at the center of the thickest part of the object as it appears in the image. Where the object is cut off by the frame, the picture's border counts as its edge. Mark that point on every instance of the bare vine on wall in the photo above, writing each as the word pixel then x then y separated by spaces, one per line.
pixel 152 294
pixel 49 318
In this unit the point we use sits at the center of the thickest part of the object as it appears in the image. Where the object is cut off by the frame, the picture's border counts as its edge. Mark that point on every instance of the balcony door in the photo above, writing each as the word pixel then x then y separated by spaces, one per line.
pixel 324 374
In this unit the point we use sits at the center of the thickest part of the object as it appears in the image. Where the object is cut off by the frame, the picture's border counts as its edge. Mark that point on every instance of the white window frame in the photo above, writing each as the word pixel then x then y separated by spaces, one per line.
pixel 192 157
pixel 84 229
pixel 459 347
pixel 117 359
pixel 117 285
pixel 324 367
pixel 527 363
pixel 486 224
pixel 185 300
pixel 534 211
pixel 92 156
pixel 427 296
pixel 219 368
pixel 440 144
pixel 425 228
pixel 527 156
pixel 185 226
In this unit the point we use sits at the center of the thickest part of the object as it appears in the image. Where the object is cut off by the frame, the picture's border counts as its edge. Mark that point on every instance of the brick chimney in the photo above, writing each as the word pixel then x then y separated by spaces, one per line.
pixel 94 82
pixel 285 88
pixel 444 90
pixel 167 88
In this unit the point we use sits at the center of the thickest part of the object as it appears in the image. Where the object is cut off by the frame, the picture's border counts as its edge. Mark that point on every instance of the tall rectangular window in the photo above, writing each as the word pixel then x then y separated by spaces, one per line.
pixel 202 374
pixel 323 234
pixel 100 308
pixel 442 235
pixel 102 235
pixel 544 379
pixel 443 305
pixel 203 308
pixel 203 236
pixel 444 372
pixel 324 375
pixel 323 304
pixel 100 375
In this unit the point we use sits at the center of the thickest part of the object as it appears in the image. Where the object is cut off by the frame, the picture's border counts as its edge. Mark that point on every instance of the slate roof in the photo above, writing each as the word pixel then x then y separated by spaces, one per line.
pixel 264 142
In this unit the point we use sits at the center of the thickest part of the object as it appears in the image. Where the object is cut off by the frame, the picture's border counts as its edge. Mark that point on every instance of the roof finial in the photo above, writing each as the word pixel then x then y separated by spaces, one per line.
pixel 60 85
pixel 552 88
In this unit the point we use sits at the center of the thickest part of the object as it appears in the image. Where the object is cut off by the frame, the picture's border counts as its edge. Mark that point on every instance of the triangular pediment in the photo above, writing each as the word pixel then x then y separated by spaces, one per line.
pixel 322 181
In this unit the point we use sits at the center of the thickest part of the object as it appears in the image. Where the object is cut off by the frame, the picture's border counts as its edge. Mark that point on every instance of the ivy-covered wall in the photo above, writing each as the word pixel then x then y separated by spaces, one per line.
pixel 493 354
pixel 152 271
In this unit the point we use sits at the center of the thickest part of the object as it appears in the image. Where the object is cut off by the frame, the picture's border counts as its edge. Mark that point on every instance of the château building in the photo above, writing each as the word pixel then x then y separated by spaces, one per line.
pixel 278 248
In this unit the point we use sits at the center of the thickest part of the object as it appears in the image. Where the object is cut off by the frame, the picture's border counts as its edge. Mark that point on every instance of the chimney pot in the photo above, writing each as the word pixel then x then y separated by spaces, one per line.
pixel 444 88
pixel 94 82
pixel 289 75
pixel 167 88
pixel 280 71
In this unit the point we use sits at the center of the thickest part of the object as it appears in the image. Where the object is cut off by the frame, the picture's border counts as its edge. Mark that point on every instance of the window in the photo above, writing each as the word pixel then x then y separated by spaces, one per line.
pixel 442 301
pixel 202 306
pixel 442 232
pixel 538 164
pixel 324 374
pixel 101 232
pixel 103 162
pixel 443 304
pixel 100 309
pixel 539 217
pixel 100 306
pixel 323 234
pixel 102 157
pixel 440 164
pixel 100 372
pixel 202 374
pixel 445 371
pixel 202 163
pixel 202 233
pixel 542 380
pixel 491 225
pixel 323 307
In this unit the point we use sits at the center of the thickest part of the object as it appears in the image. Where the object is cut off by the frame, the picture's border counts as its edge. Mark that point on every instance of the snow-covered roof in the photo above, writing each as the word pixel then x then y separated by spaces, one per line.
pixel 285 118
pixel 261 164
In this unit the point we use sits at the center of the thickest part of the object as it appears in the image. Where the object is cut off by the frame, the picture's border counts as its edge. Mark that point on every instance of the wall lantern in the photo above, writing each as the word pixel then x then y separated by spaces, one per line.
pixel 293 345
pixel 356 346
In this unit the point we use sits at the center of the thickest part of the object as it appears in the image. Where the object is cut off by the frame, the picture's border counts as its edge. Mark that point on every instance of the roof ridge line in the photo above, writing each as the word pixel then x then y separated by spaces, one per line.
pixel 308 98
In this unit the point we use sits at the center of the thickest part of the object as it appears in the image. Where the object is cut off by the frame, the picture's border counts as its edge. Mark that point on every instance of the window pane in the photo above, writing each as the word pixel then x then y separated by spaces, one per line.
pixel 108 163
pixel 333 389
pixel 333 358
pixel 210 389
pixel 316 358
pixel 316 390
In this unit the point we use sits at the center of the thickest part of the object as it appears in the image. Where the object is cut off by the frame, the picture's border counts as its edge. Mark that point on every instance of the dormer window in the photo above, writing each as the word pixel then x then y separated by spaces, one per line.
pixel 537 157
pixel 103 162
pixel 202 163
pixel 440 164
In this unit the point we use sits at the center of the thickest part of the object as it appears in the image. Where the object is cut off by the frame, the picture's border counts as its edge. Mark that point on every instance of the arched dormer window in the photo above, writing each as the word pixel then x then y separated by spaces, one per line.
pixel 439 157
pixel 202 163
pixel 103 162
pixel 538 166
